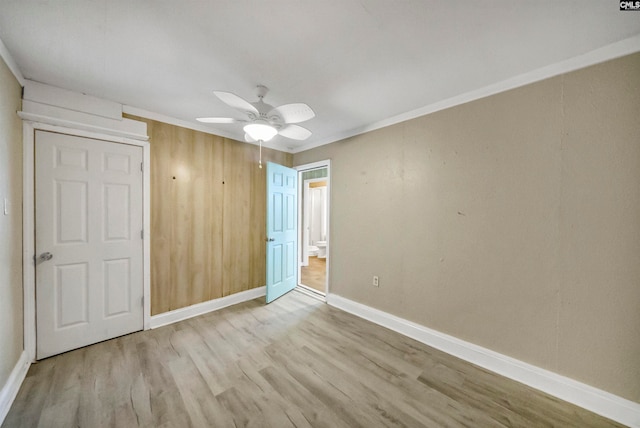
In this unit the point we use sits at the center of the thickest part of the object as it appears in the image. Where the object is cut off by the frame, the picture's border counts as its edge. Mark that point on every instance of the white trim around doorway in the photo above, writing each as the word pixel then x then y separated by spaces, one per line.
pixel 28 220
pixel 301 169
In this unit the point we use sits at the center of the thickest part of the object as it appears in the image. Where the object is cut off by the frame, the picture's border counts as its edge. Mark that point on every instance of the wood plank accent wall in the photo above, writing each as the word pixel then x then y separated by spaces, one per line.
pixel 208 215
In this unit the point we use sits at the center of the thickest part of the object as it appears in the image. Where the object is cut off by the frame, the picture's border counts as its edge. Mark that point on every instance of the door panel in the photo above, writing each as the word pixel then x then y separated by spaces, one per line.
pixel 117 287
pixel 71 295
pixel 89 217
pixel 282 232
pixel 116 206
pixel 71 195
pixel 277 264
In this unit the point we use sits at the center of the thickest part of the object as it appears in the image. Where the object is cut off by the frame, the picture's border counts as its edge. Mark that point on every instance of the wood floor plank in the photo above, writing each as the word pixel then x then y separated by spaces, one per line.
pixel 314 275
pixel 315 412
pixel 383 377
pixel 35 389
pixel 324 389
pixel 200 403
pixel 293 363
pixel 371 401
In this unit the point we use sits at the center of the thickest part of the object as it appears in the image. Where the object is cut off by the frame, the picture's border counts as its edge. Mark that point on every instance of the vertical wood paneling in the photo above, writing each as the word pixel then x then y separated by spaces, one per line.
pixel 207 223
pixel 199 230
pixel 160 234
pixel 214 194
pixel 236 230
pixel 181 238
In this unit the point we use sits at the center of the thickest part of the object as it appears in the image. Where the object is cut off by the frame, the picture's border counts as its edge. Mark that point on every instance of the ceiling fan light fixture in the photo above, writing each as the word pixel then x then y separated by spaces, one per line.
pixel 260 130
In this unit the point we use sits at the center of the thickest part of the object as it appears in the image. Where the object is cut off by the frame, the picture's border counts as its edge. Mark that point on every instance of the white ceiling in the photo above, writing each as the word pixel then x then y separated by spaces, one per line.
pixel 358 64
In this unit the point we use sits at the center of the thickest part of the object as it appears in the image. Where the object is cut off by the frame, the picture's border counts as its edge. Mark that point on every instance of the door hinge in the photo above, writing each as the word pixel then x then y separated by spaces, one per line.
pixel 142 166
pixel 142 301
pixel 142 234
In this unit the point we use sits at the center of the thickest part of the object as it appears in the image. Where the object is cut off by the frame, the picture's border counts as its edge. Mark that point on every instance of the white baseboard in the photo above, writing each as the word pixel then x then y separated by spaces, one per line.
pixel 593 399
pixel 12 386
pixel 205 307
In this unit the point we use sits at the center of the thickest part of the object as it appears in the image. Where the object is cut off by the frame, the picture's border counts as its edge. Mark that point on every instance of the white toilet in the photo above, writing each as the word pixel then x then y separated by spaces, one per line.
pixel 322 249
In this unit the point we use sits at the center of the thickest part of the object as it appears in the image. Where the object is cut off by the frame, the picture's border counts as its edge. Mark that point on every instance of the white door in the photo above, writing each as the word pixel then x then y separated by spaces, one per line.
pixel 88 241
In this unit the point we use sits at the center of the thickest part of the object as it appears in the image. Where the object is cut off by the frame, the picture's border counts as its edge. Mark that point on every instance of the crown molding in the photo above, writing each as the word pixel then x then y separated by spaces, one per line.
pixel 606 53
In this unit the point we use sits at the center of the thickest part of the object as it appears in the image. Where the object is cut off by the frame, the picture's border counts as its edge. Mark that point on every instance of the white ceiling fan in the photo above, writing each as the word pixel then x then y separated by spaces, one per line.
pixel 264 121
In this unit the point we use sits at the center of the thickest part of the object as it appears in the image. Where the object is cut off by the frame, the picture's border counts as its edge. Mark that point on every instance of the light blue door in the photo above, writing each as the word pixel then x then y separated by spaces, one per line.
pixel 282 233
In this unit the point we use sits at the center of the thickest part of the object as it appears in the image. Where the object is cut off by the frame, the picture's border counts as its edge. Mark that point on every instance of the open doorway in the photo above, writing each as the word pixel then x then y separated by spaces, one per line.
pixel 313 226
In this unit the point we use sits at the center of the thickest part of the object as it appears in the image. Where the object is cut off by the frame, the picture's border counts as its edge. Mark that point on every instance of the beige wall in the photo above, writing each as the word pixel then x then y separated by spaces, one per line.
pixel 511 222
pixel 10 225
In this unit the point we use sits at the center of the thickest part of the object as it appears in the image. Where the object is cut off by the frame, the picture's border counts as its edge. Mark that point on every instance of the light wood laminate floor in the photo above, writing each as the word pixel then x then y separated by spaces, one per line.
pixel 315 275
pixel 296 362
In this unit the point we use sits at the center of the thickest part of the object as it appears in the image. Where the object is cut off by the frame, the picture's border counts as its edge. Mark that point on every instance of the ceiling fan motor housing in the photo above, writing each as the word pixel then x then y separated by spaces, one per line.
pixel 261 91
pixel 264 109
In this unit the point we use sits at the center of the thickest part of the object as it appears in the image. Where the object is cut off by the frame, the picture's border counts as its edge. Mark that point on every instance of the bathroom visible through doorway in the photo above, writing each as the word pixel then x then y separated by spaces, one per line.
pixel 313 218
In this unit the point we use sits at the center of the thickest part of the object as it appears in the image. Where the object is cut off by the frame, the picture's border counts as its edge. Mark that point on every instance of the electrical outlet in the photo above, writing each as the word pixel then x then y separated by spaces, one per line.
pixel 376 282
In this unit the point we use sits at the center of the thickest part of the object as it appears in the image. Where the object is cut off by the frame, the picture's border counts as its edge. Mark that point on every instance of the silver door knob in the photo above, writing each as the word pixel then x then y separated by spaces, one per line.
pixel 270 239
pixel 45 257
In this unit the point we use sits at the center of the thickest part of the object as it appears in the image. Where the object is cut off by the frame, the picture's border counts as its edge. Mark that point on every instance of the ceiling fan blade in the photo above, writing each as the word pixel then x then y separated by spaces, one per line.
pixel 236 102
pixel 293 113
pixel 217 120
pixel 295 132
pixel 248 139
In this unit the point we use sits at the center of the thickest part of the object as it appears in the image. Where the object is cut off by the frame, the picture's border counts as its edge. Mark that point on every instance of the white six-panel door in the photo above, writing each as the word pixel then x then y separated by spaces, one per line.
pixel 89 252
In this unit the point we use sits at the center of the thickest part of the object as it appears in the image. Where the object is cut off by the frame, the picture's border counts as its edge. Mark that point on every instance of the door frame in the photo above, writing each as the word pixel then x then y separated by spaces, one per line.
pixel 29 127
pixel 301 169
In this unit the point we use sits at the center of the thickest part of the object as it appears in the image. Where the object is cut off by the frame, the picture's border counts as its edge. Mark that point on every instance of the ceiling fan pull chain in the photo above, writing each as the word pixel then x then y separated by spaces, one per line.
pixel 260 161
